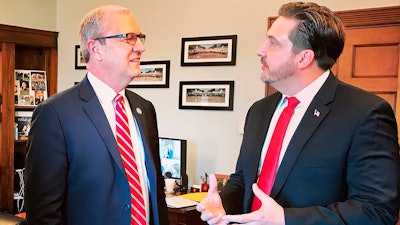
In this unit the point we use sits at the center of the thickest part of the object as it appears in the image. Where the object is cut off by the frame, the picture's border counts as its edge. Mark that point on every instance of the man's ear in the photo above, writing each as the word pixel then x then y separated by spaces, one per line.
pixel 94 48
pixel 305 58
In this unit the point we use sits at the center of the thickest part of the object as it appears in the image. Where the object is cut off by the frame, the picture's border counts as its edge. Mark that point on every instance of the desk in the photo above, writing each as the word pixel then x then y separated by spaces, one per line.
pixel 185 216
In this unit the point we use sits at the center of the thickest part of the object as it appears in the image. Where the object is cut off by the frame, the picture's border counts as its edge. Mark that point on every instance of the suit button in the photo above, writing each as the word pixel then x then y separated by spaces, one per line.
pixel 127 207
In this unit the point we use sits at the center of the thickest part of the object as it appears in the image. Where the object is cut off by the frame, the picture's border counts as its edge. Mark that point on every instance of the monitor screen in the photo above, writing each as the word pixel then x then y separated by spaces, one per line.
pixel 173 157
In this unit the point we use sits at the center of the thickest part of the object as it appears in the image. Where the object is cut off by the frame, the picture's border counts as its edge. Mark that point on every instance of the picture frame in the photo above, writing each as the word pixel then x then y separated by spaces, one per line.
pixel 80 63
pixel 206 95
pixel 209 51
pixel 221 180
pixel 23 122
pixel 153 74
pixel 30 87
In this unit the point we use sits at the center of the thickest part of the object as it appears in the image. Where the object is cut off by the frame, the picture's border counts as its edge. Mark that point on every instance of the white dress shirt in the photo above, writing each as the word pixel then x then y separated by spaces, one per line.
pixel 305 97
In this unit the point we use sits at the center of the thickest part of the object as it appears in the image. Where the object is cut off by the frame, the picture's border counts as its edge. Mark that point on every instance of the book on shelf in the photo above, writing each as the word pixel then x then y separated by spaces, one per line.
pixel 30 87
pixel 22 121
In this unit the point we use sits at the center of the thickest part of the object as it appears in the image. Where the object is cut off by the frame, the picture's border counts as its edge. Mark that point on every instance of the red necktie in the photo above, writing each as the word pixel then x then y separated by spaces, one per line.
pixel 125 147
pixel 270 165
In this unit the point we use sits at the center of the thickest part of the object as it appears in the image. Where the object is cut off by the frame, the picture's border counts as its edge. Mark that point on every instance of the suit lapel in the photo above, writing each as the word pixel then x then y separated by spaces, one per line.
pixel 257 133
pixel 138 111
pixel 312 118
pixel 99 120
pixel 143 117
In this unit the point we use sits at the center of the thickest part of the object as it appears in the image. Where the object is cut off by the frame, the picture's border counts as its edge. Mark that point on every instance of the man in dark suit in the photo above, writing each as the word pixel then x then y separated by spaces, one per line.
pixel 339 161
pixel 74 171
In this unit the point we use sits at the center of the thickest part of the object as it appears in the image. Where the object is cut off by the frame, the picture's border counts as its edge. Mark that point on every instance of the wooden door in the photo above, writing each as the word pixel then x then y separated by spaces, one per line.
pixel 370 61
pixel 371 55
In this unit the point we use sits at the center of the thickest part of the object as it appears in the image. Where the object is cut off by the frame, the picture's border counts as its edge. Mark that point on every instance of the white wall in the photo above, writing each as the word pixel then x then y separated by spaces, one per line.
pixel 212 136
pixel 37 14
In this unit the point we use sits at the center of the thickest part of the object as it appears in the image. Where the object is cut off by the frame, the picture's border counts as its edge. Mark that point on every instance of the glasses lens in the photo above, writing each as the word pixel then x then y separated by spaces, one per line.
pixel 142 38
pixel 131 38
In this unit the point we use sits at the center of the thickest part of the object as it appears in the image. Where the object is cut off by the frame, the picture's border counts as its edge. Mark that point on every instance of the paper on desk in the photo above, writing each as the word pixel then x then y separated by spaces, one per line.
pixel 195 196
pixel 179 202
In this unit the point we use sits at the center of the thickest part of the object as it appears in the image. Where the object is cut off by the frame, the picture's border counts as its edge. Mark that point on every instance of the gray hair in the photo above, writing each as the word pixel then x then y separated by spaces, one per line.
pixel 93 25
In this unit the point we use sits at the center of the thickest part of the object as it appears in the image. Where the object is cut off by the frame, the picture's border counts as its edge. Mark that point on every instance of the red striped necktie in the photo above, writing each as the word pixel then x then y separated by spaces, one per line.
pixel 270 165
pixel 125 147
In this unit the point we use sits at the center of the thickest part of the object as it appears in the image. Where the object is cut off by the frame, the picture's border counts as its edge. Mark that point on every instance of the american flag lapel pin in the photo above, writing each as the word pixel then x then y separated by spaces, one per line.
pixel 316 113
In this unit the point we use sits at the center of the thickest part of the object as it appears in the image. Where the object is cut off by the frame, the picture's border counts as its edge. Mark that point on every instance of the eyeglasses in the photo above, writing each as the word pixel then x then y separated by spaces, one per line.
pixel 130 38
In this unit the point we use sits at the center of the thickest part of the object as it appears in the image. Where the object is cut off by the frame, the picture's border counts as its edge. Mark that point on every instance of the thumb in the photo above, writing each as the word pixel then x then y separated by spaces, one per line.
pixel 212 181
pixel 259 193
pixel 212 199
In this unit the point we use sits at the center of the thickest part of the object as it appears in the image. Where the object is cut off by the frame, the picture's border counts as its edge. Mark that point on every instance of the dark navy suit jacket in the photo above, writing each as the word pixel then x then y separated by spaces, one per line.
pixel 341 165
pixel 74 173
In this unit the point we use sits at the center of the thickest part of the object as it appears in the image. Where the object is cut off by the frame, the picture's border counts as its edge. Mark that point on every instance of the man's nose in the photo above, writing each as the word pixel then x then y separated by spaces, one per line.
pixel 139 46
pixel 261 50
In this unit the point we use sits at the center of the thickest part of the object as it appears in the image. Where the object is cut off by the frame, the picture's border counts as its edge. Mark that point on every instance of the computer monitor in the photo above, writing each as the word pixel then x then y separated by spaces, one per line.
pixel 173 157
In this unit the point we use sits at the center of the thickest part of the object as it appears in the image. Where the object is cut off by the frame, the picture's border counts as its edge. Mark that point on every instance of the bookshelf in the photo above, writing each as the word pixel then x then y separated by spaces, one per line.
pixel 28 49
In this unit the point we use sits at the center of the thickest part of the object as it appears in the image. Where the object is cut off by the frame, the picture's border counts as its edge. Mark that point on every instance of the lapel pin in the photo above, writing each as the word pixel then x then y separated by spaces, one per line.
pixel 316 113
pixel 138 110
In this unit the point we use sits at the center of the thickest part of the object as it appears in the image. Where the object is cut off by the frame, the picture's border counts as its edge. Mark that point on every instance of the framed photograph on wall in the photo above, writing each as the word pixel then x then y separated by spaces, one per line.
pixel 80 63
pixel 209 51
pixel 206 95
pixel 153 74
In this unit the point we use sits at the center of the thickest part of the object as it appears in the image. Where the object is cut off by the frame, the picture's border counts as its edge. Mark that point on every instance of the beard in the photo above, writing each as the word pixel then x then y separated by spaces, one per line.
pixel 283 71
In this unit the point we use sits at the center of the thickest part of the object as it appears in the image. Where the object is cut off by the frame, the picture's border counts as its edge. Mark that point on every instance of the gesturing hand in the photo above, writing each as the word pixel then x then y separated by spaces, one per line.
pixel 270 212
pixel 211 207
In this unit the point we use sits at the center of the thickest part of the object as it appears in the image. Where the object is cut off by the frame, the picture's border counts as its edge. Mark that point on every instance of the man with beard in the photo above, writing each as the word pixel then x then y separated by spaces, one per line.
pixel 318 151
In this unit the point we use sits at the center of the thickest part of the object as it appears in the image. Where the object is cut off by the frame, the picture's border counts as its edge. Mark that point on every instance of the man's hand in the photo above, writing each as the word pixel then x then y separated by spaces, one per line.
pixel 270 212
pixel 211 207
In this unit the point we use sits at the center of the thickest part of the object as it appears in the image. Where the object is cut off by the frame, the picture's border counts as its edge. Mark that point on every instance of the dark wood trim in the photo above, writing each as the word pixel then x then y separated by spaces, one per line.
pixel 371 17
pixel 6 128
pixel 28 36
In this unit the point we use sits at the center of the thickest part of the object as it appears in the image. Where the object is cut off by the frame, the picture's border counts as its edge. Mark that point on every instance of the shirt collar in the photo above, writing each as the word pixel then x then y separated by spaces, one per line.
pixel 306 95
pixel 104 92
